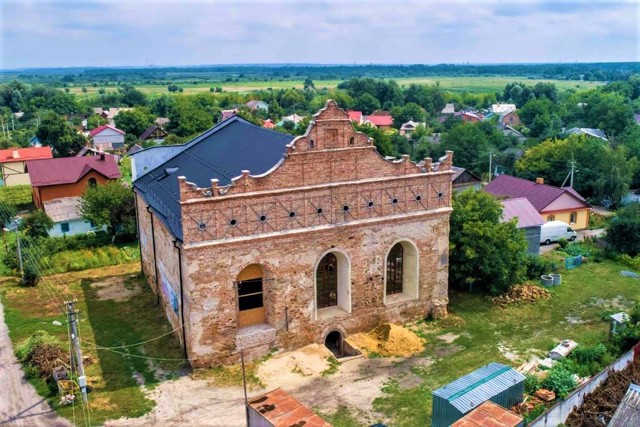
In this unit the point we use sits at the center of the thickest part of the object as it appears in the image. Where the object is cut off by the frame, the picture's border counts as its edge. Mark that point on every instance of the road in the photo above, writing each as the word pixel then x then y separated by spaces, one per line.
pixel 581 235
pixel 20 405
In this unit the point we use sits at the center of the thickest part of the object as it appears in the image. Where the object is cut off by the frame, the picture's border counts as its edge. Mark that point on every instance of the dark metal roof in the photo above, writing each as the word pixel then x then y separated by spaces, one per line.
pixel 220 153
pixel 628 412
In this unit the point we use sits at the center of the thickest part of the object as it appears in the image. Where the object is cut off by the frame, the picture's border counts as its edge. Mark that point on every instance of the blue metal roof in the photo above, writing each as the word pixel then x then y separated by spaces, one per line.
pixel 473 389
pixel 220 153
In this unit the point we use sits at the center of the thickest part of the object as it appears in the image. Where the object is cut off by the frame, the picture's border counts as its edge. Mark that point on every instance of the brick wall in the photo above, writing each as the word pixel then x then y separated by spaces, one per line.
pixel 50 192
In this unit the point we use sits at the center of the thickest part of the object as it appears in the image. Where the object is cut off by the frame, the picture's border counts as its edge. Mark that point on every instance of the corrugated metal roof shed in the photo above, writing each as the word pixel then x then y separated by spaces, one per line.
pixel 628 412
pixel 495 381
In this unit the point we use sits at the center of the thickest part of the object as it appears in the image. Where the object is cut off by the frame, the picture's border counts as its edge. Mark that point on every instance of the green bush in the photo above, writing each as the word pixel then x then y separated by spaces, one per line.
pixel 560 380
pixel 535 413
pixel 563 243
pixel 31 274
pixel 39 354
pixel 531 384
pixel 537 266
pixel 17 195
pixel 629 261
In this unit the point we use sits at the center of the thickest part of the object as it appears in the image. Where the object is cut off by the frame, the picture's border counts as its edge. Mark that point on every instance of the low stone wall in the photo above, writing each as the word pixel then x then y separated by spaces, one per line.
pixel 561 410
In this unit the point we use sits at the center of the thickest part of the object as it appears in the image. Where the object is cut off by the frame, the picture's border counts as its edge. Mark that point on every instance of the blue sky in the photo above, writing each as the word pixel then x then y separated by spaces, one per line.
pixel 141 33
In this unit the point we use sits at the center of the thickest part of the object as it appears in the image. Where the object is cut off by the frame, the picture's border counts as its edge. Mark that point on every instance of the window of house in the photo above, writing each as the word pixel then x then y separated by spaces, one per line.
pixel 92 182
pixel 395 261
pixel 327 281
pixel 573 217
pixel 551 218
pixel 64 227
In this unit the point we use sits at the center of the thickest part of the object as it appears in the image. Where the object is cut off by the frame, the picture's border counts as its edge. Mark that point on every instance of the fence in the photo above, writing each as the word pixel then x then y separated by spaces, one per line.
pixel 559 412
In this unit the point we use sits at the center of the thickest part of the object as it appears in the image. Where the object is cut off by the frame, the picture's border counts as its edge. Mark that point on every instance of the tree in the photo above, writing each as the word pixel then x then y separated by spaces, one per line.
pixel 188 119
pixel 366 103
pixel 485 253
pixel 7 212
pixel 37 224
pixel 623 231
pixel 409 111
pixel 471 146
pixel 62 138
pixel 131 97
pixel 95 121
pixel 308 84
pixel 134 121
pixel 111 205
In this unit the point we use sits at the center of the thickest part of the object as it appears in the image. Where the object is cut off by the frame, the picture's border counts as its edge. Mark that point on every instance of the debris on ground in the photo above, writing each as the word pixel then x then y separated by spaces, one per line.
pixel 599 406
pixel 631 274
pixel 529 404
pixel 546 395
pixel 522 293
pixel 388 340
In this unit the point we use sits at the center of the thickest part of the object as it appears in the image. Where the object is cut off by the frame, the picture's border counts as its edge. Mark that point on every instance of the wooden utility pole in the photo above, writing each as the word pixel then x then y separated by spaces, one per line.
pixel 72 314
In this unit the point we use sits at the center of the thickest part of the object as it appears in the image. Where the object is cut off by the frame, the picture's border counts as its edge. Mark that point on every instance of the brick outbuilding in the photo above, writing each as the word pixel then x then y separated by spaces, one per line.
pixel 255 240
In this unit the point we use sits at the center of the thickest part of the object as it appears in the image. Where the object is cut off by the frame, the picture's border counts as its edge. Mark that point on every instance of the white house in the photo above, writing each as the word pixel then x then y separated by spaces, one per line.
pixel 65 213
pixel 409 127
pixel 503 108
pixel 107 138
pixel 255 104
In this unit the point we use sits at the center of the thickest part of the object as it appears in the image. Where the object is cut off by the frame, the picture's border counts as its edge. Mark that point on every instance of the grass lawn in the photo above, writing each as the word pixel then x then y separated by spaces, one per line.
pixel 486 332
pixel 452 84
pixel 106 322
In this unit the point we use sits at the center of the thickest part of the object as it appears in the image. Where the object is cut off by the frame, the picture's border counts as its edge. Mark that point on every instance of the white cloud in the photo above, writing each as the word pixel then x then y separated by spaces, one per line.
pixel 36 33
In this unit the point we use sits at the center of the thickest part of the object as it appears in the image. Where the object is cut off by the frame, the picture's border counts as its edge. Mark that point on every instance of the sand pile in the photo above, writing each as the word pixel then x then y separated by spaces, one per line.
pixel 307 361
pixel 388 340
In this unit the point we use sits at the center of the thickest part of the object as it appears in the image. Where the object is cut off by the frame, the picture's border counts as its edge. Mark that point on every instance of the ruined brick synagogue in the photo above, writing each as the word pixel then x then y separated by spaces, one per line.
pixel 253 239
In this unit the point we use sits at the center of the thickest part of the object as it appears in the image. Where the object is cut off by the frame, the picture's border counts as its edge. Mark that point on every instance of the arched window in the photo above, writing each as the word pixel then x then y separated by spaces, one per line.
pixel 573 217
pixel 92 182
pixel 312 144
pixel 352 141
pixel 551 218
pixel 327 281
pixel 395 261
pixel 250 296
pixel 401 274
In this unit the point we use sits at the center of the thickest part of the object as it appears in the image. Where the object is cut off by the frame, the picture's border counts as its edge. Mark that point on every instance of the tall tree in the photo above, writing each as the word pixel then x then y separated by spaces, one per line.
pixel 134 121
pixel 62 138
pixel 110 205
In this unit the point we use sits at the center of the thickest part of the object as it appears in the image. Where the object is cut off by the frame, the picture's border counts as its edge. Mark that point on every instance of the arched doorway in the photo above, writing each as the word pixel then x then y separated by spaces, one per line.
pixel 249 287
pixel 333 342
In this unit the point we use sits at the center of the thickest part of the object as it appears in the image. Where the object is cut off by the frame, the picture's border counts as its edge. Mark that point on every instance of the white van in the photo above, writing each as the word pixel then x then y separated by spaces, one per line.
pixel 553 231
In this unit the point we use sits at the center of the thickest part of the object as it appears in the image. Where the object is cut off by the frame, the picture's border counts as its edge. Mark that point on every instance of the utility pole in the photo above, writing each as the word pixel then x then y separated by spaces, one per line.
pixel 573 167
pixel 244 386
pixel 72 313
pixel 490 164
pixel 19 253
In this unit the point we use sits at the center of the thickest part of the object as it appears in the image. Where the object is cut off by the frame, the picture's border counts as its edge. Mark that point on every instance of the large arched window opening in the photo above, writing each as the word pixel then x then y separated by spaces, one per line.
pixel 394 269
pixel 332 282
pixel 249 287
pixel 401 272
pixel 327 281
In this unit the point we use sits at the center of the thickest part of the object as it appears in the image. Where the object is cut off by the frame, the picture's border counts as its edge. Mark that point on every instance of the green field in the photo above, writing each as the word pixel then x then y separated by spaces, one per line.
pixel 452 84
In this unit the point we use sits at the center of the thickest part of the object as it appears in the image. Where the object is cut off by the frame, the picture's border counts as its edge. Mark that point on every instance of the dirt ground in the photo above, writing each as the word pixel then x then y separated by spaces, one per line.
pixel 357 382
pixel 113 288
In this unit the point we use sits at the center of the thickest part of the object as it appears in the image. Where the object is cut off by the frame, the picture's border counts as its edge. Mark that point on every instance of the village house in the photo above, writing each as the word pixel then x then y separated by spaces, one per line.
pixel 594 133
pixel 463 179
pixel 409 127
pixel 268 124
pixel 153 133
pixel 355 116
pixel 552 203
pixel 67 221
pixel 227 114
pixel 509 119
pixel 529 220
pixel 13 164
pixel 502 108
pixel 269 241
pixel 468 116
pixel 258 104
pixel 107 138
pixel 69 176
pixel 379 119
pixel 295 118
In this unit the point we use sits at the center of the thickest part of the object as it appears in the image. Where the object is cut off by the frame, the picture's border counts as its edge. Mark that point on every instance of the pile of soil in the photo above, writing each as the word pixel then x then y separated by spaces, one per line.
pixel 522 293
pixel 388 340
pixel 605 399
pixel 309 361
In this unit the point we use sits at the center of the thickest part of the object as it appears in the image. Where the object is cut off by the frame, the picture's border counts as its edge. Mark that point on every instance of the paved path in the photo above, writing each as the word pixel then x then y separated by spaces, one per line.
pixel 581 235
pixel 20 405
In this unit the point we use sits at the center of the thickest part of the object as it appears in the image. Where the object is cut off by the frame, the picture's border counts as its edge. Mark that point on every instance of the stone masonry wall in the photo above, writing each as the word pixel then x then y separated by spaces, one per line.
pixel 289 262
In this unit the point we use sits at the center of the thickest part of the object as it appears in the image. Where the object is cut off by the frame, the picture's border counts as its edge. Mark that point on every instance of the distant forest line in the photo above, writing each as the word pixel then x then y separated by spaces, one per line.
pixel 246 73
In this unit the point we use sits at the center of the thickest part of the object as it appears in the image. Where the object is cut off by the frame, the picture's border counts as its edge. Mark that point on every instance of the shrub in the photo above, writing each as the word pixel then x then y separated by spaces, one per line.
pixel 531 384
pixel 563 243
pixel 560 380
pixel 631 262
pixel 40 354
pixel 537 266
pixel 31 275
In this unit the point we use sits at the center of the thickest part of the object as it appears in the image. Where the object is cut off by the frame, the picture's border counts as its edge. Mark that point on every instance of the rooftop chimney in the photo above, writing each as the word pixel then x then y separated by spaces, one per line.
pixel 16 154
pixel 539 180
pixel 102 157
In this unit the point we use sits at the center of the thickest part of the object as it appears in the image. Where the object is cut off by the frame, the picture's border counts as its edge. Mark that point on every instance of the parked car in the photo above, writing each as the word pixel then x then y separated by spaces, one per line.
pixel 553 231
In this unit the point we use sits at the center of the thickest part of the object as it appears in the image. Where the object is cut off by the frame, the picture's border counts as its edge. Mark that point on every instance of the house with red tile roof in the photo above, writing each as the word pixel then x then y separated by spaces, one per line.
pixel 107 138
pixel 379 119
pixel 69 176
pixel 355 116
pixel 268 124
pixel 552 203
pixel 13 163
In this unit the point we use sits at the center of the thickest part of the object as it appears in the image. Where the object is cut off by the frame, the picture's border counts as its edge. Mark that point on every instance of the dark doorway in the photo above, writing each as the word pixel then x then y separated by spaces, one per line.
pixel 333 342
